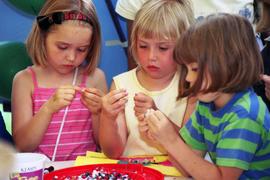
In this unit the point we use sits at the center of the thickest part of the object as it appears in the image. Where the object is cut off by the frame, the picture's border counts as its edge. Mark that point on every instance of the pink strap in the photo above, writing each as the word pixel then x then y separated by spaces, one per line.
pixel 33 76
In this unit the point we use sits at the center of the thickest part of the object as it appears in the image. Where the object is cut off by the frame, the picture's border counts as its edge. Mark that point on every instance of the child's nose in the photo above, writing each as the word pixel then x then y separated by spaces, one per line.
pixel 189 77
pixel 71 56
pixel 152 55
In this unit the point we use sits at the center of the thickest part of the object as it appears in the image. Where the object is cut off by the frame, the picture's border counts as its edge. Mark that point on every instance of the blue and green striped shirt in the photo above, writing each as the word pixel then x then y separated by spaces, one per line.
pixel 237 135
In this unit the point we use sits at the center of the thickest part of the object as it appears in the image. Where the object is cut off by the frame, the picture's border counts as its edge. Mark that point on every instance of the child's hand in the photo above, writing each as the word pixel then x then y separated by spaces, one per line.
pixel 144 127
pixel 266 80
pixel 160 128
pixel 62 97
pixel 142 103
pixel 91 98
pixel 114 102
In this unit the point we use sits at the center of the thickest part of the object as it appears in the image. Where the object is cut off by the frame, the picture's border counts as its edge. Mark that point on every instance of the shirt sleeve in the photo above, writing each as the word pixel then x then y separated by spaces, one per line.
pixel 238 143
pixel 128 8
pixel 192 133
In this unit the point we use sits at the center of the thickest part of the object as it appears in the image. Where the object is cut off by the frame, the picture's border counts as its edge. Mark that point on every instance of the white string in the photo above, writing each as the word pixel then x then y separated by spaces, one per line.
pixel 64 118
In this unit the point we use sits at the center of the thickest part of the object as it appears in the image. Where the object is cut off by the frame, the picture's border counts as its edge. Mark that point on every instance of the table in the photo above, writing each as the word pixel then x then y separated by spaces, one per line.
pixel 64 164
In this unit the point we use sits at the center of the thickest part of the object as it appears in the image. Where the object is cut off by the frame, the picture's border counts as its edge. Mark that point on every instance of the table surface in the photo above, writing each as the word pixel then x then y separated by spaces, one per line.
pixel 64 164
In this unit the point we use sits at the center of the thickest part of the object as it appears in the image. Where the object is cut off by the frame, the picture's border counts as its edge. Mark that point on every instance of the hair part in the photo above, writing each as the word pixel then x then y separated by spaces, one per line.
pixel 35 43
pixel 161 19
pixel 225 48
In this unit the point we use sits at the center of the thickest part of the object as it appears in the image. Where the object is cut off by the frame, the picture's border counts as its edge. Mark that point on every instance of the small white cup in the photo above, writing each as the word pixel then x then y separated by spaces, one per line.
pixel 28 166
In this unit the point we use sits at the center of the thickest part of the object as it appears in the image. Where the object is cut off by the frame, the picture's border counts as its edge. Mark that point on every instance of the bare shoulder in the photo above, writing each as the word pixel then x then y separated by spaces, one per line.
pixel 98 73
pixel 22 86
pixel 97 80
pixel 23 76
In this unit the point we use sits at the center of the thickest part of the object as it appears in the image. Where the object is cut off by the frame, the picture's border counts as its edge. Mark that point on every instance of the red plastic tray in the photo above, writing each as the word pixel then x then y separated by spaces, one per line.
pixel 134 171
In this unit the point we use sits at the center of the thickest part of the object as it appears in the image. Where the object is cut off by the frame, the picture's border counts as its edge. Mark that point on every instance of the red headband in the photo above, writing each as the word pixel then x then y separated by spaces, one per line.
pixel 44 22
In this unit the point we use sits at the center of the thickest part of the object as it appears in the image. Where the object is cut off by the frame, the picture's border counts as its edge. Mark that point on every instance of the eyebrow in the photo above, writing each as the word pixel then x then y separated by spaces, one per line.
pixel 160 42
pixel 65 43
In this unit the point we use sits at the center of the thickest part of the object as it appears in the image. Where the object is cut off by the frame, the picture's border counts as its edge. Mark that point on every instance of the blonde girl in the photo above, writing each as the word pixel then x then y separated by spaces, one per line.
pixel 152 84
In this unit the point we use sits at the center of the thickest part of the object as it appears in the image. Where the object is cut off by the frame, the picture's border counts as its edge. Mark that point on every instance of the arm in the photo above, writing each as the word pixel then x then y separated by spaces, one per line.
pixel 91 98
pixel 28 130
pixel 189 160
pixel 266 80
pixel 113 130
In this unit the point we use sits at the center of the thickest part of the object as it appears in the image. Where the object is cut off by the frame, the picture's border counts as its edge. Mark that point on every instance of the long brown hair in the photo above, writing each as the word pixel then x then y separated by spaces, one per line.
pixel 225 48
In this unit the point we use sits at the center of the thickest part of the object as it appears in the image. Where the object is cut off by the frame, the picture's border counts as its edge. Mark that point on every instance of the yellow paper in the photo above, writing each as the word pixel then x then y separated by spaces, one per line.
pixel 166 170
pixel 95 154
pixel 83 160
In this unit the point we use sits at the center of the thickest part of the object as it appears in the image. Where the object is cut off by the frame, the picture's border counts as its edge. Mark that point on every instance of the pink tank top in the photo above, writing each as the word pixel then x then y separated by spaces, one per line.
pixel 77 134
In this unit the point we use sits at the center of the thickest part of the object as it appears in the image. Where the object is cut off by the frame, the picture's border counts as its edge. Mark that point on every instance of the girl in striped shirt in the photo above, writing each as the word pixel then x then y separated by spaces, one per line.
pixel 231 122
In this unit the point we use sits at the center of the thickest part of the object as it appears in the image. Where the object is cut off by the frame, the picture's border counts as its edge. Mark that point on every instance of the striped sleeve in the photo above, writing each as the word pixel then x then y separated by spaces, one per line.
pixel 192 133
pixel 238 143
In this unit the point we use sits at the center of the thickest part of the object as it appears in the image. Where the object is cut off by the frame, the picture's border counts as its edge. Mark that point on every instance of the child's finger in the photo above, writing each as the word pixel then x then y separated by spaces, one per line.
pixel 143 127
pixel 79 89
pixel 94 91
pixel 117 95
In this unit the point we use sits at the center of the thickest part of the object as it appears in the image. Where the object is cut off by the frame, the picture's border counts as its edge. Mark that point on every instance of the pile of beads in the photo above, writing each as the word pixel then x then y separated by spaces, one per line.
pixel 97 174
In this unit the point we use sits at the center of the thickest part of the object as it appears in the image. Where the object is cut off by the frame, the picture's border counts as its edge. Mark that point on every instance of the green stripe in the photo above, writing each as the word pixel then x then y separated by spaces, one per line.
pixel 246 123
pixel 191 141
pixel 232 163
pixel 264 151
pixel 260 165
pixel 241 144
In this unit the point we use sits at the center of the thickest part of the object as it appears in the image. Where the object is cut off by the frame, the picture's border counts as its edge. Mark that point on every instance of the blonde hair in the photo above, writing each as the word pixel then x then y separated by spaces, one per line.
pixel 35 43
pixel 162 19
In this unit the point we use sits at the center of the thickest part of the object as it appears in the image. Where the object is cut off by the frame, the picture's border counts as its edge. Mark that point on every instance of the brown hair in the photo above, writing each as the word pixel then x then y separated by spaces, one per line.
pixel 162 19
pixel 264 22
pixel 35 43
pixel 225 48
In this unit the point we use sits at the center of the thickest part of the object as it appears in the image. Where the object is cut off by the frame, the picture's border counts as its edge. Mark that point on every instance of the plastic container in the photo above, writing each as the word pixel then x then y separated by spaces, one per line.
pixel 134 171
pixel 28 166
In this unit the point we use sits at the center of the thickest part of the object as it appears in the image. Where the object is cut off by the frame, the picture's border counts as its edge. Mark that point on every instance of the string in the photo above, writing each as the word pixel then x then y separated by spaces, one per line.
pixel 64 118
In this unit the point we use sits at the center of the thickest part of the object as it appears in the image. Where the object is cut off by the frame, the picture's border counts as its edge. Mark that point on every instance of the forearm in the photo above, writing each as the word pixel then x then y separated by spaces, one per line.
pixel 195 165
pixel 178 166
pixel 111 142
pixel 29 136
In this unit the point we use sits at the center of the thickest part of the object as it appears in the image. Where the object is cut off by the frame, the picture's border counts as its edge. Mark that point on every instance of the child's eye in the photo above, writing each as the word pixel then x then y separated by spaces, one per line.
pixel 62 47
pixel 142 46
pixel 163 48
pixel 82 49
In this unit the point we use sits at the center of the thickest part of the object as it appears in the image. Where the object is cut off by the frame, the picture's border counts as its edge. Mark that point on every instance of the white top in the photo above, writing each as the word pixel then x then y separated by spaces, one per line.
pixel 202 8
pixel 165 101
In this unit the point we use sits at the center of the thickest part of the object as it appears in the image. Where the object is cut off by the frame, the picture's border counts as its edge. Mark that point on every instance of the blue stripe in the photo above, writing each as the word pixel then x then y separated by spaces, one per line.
pixel 262 157
pixel 242 134
pixel 214 129
pixel 255 174
pixel 210 146
pixel 235 154
pixel 240 111
pixel 266 122
pixel 194 133
pixel 254 106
